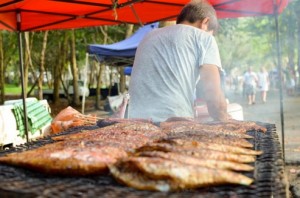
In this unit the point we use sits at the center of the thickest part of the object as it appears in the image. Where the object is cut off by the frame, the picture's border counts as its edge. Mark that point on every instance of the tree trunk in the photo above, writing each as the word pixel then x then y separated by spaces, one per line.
pixel 98 89
pixel 27 59
pixel 74 70
pixel 42 66
pixel 58 70
pixel 129 30
pixel 2 79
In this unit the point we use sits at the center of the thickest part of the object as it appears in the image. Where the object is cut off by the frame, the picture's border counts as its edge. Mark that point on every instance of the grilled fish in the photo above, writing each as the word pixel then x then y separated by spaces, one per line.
pixel 67 159
pixel 212 146
pixel 246 125
pixel 196 152
pixel 111 121
pixel 113 130
pixel 208 163
pixel 187 126
pixel 212 138
pixel 175 174
pixel 130 176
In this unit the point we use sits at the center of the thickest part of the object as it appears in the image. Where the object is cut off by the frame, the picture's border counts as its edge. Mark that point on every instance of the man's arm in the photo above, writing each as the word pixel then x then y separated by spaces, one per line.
pixel 213 94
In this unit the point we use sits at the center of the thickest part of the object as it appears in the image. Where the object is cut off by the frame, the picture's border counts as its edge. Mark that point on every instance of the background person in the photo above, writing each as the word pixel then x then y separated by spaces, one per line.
pixel 263 83
pixel 250 79
pixel 167 65
pixel 290 82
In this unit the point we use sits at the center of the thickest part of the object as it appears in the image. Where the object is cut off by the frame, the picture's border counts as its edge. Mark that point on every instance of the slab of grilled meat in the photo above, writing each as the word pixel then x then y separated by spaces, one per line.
pixel 153 173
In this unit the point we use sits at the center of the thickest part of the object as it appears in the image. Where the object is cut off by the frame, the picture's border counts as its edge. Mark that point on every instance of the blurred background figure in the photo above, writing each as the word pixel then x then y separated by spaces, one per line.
pixel 263 83
pixel 290 82
pixel 250 80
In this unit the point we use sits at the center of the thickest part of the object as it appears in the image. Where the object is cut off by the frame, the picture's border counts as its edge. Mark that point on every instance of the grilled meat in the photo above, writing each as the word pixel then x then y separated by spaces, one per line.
pixel 212 146
pixel 111 121
pixel 186 126
pixel 246 125
pixel 203 153
pixel 176 119
pixel 132 177
pixel 174 175
pixel 61 158
pixel 212 138
pixel 130 139
pixel 145 129
pixel 208 163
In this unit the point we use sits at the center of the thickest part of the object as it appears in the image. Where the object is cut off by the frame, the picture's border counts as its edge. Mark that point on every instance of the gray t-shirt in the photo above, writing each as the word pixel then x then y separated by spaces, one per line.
pixel 166 69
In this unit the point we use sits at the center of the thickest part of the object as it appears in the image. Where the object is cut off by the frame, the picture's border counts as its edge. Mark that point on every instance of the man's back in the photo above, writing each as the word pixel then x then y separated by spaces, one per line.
pixel 166 69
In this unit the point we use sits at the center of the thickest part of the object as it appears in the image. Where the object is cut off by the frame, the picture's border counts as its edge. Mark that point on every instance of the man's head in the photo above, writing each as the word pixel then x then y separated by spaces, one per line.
pixel 199 11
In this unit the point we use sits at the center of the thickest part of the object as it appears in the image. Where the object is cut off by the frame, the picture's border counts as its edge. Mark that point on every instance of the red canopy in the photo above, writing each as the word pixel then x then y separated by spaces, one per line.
pixel 63 14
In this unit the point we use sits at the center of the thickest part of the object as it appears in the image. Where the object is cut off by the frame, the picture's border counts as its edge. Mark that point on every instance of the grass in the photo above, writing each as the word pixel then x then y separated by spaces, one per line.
pixel 12 89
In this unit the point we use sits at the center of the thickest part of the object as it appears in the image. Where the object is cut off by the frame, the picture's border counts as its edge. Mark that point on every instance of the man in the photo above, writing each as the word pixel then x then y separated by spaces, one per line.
pixel 250 80
pixel 263 83
pixel 167 65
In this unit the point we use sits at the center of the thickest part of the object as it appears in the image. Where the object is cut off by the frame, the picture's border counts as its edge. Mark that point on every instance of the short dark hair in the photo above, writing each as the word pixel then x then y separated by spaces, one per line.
pixel 199 10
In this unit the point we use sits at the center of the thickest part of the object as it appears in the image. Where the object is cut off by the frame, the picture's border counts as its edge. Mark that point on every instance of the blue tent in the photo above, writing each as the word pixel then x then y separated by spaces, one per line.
pixel 127 70
pixel 121 53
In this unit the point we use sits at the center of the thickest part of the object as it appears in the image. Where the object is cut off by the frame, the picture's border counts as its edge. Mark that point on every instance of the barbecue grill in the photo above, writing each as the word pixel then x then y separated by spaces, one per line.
pixel 269 177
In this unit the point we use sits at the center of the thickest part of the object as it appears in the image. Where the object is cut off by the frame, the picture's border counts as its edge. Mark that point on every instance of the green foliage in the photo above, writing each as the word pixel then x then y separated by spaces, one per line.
pixel 251 41
pixel 12 89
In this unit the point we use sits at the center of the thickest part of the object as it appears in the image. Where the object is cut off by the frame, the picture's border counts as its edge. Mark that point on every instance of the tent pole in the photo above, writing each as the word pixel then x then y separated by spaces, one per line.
pixel 279 62
pixel 21 65
pixel 23 85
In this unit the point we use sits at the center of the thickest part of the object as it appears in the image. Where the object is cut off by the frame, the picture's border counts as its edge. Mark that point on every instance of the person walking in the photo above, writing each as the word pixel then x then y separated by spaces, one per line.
pixel 169 62
pixel 250 80
pixel 263 83
pixel 290 82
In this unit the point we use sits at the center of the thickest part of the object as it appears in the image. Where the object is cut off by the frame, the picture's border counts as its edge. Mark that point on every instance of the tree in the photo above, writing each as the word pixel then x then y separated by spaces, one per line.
pixel 8 59
pixel 42 65
pixel 128 33
pixel 74 69
pixel 2 81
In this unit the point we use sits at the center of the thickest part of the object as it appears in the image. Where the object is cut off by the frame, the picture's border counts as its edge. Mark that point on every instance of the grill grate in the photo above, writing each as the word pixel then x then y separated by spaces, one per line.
pixel 268 174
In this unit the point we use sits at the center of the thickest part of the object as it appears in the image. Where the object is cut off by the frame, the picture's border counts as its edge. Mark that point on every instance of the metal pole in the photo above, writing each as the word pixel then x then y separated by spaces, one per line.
pixel 280 76
pixel 20 41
